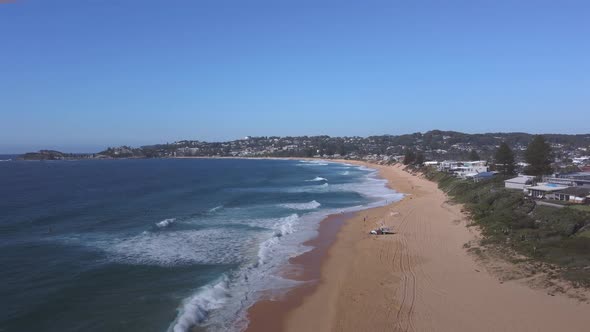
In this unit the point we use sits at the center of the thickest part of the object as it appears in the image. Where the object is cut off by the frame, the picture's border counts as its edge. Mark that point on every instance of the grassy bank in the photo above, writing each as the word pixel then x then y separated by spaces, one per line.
pixel 508 220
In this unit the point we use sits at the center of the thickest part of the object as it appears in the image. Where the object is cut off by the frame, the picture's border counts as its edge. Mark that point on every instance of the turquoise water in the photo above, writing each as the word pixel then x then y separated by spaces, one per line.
pixel 162 244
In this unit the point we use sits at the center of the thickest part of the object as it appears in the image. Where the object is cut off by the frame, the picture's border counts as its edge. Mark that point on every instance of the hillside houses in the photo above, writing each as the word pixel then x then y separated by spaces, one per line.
pixel 573 188
pixel 464 169
pixel 519 182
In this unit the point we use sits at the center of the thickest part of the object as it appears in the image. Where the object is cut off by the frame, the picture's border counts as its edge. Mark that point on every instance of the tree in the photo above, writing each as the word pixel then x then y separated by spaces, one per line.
pixel 473 156
pixel 419 159
pixel 538 155
pixel 504 158
pixel 409 157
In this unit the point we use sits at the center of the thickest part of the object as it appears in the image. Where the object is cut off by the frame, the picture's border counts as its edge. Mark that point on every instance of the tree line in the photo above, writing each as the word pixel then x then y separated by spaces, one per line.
pixel 538 156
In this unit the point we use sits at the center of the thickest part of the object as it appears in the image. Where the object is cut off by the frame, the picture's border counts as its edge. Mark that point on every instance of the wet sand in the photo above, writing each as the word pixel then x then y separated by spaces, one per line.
pixel 419 279
pixel 270 315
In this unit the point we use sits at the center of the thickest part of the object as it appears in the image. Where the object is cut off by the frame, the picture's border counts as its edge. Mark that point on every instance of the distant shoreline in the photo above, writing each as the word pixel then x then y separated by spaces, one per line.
pixel 433 144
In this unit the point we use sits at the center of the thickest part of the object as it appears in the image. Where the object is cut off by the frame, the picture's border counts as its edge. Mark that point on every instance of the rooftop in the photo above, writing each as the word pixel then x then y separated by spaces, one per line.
pixel 520 179
pixel 576 191
pixel 547 187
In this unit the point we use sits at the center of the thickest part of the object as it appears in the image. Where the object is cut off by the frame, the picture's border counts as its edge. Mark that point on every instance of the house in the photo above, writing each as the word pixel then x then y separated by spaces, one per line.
pixel 578 179
pixel 469 169
pixel 448 165
pixel 576 195
pixel 482 176
pixel 478 163
pixel 581 160
pixel 541 190
pixel 518 182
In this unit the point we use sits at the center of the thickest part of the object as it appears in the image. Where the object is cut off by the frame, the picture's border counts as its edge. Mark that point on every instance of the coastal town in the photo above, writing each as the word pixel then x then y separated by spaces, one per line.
pixel 466 156
pixel 433 145
pixel 564 188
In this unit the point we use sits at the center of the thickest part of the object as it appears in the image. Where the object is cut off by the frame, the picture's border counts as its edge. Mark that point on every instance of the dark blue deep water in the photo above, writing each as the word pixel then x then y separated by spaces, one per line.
pixel 158 244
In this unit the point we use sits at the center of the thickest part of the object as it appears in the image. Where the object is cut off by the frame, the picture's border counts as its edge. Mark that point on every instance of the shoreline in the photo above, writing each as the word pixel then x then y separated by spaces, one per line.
pixel 420 279
pixel 270 314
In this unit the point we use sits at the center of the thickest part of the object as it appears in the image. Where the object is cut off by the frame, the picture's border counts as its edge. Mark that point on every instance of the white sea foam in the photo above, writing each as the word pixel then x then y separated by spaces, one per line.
pixel 372 187
pixel 317 179
pixel 307 189
pixel 302 206
pixel 243 286
pixel 205 246
pixel 345 173
pixel 284 227
pixel 196 308
pixel 166 222
pixel 216 208
pixel 313 163
pixel 222 305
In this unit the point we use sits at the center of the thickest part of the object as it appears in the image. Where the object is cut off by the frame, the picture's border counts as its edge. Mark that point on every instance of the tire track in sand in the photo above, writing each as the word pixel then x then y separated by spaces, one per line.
pixel 405 265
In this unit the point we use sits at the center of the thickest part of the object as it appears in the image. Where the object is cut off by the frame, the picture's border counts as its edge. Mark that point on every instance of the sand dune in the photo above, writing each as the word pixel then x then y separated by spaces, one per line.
pixel 422 278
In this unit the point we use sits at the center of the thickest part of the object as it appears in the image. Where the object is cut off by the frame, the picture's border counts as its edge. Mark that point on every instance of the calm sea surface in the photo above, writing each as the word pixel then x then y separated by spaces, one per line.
pixel 159 244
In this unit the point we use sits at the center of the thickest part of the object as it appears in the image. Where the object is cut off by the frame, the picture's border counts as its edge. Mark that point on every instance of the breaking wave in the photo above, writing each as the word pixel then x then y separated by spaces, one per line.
pixel 196 308
pixel 241 285
pixel 166 222
pixel 285 227
pixel 312 163
pixel 302 206
pixel 316 179
pixel 219 207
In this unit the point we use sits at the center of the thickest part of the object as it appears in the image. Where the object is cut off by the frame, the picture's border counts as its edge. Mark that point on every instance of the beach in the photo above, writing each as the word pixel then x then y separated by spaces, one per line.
pixel 422 278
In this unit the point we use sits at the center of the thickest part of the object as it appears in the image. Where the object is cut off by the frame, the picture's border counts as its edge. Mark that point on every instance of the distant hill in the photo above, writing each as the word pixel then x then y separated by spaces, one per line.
pixel 44 155
pixel 434 144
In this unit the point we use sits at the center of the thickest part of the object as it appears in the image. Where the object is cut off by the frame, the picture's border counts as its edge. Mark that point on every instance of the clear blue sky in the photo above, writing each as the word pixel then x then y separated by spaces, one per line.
pixel 80 75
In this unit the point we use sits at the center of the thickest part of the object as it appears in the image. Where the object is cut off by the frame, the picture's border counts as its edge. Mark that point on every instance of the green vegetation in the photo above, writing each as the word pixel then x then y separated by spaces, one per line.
pixel 51 155
pixel 509 220
pixel 433 145
pixel 413 158
pixel 504 158
pixel 539 156
pixel 409 157
pixel 585 208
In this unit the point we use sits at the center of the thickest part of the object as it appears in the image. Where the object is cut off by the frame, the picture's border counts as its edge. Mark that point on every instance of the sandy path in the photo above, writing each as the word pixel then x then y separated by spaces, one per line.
pixel 422 278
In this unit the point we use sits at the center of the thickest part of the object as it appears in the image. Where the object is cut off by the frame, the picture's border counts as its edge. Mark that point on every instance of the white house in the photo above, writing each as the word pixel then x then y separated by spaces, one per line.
pixel 541 190
pixel 576 195
pixel 581 160
pixel 471 168
pixel 518 182
pixel 448 165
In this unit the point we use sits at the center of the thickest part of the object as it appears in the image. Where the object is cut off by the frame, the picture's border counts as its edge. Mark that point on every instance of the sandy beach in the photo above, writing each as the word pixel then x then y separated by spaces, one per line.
pixel 422 278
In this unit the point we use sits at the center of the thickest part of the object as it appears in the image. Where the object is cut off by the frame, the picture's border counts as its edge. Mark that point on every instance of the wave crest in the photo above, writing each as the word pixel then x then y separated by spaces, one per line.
pixel 196 309
pixel 283 227
pixel 317 179
pixel 219 207
pixel 165 223
pixel 302 206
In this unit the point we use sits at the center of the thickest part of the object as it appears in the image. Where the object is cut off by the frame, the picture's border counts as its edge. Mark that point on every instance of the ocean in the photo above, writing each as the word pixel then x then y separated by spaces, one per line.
pixel 160 244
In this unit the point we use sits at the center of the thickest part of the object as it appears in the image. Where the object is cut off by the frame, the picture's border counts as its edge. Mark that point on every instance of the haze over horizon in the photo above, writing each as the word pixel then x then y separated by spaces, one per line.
pixel 79 76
